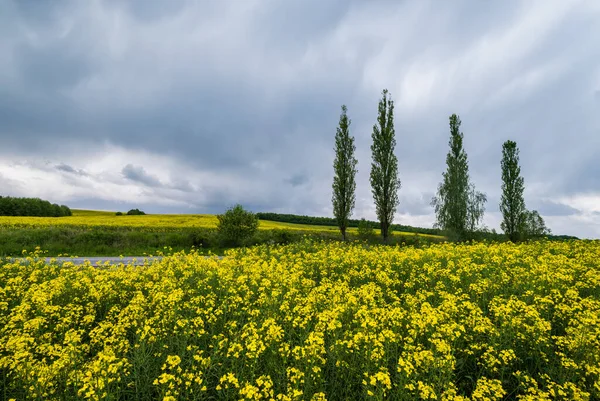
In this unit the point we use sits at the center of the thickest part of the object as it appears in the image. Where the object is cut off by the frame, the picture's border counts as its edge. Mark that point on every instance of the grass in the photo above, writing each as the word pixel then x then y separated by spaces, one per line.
pixel 102 233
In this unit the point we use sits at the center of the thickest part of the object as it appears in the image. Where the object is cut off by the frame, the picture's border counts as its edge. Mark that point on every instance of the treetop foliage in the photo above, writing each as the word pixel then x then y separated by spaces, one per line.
pixel 135 212
pixel 512 202
pixel 518 223
pixel 384 166
pixel 458 206
pixel 36 207
pixel 344 167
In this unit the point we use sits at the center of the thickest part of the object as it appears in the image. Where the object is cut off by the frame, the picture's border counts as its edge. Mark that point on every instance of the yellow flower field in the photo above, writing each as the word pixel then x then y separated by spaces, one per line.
pixel 89 218
pixel 309 321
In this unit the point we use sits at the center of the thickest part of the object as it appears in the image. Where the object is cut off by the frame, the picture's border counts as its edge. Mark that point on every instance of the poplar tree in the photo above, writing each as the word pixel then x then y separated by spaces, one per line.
pixel 344 168
pixel 458 206
pixel 512 202
pixel 384 167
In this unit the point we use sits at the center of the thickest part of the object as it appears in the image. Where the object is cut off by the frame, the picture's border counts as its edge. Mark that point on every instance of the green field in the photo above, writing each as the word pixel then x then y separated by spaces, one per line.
pixel 102 233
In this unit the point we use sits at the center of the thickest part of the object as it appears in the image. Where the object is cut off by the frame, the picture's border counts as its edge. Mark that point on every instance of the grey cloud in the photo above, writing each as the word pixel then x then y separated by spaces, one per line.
pixel 182 185
pixel 297 180
pixel 416 205
pixel 253 89
pixel 549 208
pixel 139 174
pixel 58 64
pixel 11 187
pixel 152 11
pixel 70 169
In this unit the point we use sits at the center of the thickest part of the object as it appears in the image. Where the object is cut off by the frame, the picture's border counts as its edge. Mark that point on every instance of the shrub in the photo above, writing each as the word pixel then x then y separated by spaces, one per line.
pixel 365 230
pixel 204 238
pixel 236 226
pixel 135 212
pixel 119 214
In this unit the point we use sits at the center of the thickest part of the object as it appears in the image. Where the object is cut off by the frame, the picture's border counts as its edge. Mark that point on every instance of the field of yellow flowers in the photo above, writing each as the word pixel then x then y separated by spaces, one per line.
pixel 159 222
pixel 309 321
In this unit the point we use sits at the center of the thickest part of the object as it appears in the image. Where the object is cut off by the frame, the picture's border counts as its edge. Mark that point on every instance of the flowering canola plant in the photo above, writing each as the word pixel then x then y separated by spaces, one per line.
pixel 160 222
pixel 309 321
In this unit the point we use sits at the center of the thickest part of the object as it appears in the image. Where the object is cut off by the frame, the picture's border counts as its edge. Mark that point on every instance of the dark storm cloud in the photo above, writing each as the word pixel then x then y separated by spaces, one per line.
pixel 139 174
pixel 193 119
pixel 250 92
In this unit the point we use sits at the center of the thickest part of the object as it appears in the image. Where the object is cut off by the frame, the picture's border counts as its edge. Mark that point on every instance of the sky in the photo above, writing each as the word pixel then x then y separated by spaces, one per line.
pixel 194 106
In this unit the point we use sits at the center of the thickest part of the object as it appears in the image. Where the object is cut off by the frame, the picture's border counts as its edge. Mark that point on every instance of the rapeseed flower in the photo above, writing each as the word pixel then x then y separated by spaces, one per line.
pixel 313 320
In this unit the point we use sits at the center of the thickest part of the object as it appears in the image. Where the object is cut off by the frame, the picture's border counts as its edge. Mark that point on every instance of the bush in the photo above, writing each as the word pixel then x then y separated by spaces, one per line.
pixel 119 214
pixel 365 230
pixel 236 226
pixel 135 212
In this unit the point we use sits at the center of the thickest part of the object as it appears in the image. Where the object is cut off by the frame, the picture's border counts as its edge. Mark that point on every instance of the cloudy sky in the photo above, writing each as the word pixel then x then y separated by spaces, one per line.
pixel 192 106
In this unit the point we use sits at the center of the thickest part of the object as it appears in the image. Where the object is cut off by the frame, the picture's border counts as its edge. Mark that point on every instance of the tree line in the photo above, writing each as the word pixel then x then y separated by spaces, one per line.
pixel 10 206
pixel 331 221
pixel 459 208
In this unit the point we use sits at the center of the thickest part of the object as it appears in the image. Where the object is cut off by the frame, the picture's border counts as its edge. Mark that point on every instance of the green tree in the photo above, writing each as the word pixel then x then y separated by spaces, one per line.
pixel 458 206
pixel 512 202
pixel 344 179
pixel 476 208
pixel 10 206
pixel 384 167
pixel 534 225
pixel 236 225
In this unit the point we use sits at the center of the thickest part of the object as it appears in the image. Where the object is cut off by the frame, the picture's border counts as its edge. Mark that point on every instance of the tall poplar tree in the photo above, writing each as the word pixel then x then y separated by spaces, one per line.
pixel 344 168
pixel 384 167
pixel 512 202
pixel 458 206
